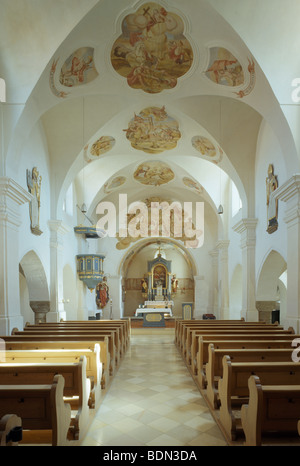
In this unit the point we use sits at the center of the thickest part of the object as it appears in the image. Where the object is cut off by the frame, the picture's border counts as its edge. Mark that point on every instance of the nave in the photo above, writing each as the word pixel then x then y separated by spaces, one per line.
pixel 153 400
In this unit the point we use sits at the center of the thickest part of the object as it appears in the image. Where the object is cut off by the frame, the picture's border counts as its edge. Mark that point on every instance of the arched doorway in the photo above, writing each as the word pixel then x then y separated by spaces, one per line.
pixel 271 288
pixel 34 291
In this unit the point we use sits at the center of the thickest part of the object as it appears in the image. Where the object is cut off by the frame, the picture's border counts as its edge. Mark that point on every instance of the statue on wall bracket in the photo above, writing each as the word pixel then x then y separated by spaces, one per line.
pixel 272 203
pixel 34 181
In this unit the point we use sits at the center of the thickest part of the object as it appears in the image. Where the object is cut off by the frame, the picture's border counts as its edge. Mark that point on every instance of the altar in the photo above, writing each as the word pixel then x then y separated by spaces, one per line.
pixel 149 310
pixel 157 289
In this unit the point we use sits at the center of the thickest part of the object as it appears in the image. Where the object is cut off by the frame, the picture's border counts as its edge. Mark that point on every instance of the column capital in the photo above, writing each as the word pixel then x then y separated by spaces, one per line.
pixel 288 189
pixel 15 192
pixel 289 192
pixel 245 224
pixel 57 230
pixel 222 244
pixel 12 195
pixel 247 229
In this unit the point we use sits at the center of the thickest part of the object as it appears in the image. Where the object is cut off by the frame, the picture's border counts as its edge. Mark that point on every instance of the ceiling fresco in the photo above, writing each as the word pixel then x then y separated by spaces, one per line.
pixel 79 68
pixel 99 147
pixel 224 68
pixel 152 52
pixel 153 131
pixel 207 149
pixel 153 173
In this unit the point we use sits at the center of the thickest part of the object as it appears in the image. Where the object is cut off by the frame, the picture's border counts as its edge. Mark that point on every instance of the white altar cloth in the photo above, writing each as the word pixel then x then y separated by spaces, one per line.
pixel 148 310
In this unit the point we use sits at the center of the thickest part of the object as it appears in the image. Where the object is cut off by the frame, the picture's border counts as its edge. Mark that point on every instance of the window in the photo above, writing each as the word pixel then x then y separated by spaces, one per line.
pixel 2 90
pixel 236 203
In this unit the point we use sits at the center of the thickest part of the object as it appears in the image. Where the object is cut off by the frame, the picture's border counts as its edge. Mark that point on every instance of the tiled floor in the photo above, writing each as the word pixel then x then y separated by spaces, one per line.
pixel 153 401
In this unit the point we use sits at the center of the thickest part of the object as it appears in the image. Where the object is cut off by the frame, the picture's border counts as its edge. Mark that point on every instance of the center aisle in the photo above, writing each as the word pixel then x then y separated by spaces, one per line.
pixel 153 401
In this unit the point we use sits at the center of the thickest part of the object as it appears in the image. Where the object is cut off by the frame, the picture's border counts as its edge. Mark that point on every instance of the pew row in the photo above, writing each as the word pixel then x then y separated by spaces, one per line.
pixel 184 327
pixel 41 408
pixel 57 356
pixel 76 389
pixel 272 409
pixel 10 430
pixel 180 322
pixel 66 341
pixel 214 366
pixel 190 347
pixel 79 346
pixel 122 328
pixel 239 342
pixel 234 391
pixel 188 329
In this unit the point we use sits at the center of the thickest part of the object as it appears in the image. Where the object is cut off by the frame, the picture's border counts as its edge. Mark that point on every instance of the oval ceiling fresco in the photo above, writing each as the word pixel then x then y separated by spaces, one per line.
pixel 224 68
pixel 98 148
pixel 79 68
pixel 153 131
pixel 114 183
pixel 152 51
pixel 207 149
pixel 153 173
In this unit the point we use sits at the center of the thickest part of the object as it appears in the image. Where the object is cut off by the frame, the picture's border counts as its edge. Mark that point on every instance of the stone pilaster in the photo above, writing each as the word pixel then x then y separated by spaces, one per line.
pixel 223 245
pixel 214 300
pixel 57 231
pixel 12 196
pixel 247 229
pixel 289 193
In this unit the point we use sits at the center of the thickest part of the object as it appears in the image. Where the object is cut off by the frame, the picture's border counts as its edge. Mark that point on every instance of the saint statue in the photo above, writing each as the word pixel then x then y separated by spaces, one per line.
pixel 272 203
pixel 34 181
pixel 144 286
pixel 174 283
pixel 102 294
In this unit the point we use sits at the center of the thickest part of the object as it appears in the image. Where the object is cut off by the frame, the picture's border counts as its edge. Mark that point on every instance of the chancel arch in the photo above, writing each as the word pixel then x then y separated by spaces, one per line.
pixel 134 270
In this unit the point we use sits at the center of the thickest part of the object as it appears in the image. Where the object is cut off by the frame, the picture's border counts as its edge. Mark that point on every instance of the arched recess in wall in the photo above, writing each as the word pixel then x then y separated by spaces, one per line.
pixel 133 268
pixel 235 292
pixel 70 295
pixel 34 290
pixel 271 287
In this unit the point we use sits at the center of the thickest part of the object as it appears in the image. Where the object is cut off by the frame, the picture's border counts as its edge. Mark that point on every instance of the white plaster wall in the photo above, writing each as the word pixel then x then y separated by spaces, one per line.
pixel 268 151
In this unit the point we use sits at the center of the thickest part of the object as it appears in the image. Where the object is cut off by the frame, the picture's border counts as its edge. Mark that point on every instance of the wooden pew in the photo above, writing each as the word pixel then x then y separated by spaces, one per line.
pixel 272 409
pixel 214 365
pixel 108 337
pixel 179 323
pixel 76 387
pixel 122 326
pixel 191 346
pixel 113 335
pixel 40 407
pixel 57 356
pixel 234 391
pixel 78 346
pixel 187 327
pixel 238 342
pixel 10 430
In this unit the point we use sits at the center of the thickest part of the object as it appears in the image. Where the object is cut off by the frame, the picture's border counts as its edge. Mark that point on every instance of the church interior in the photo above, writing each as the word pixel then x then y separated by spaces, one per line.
pixel 149 184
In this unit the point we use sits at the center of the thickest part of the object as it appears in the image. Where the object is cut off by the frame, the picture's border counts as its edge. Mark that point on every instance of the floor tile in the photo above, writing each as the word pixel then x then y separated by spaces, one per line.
pixel 153 401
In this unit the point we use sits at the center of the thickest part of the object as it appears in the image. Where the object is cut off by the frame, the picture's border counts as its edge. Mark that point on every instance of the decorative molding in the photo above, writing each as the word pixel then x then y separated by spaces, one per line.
pixel 246 227
pixel 12 195
pixel 289 192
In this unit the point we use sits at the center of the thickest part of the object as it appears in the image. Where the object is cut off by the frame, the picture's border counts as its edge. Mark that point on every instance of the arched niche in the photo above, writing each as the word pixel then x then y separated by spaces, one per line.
pixel 134 268
pixel 271 287
pixel 34 290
